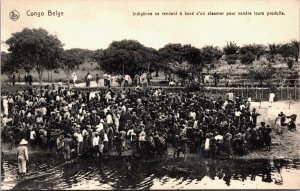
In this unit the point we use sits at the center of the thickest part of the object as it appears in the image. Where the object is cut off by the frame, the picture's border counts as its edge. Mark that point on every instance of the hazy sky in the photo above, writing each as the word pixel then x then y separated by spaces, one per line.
pixel 95 24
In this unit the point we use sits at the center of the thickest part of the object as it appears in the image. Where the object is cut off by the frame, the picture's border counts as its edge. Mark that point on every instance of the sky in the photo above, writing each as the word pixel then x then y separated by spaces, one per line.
pixel 92 24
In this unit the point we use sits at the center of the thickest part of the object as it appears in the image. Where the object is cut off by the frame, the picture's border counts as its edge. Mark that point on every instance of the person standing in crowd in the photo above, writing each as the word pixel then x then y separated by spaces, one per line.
pixel 254 116
pixel 149 77
pixel 22 155
pixel 271 98
pixel 5 105
pixel 135 79
pixel 88 79
pixel 109 80
pixel 32 137
pixel 11 140
pixel 13 79
pixel 230 95
pixel 74 78
pixel 29 78
pixel 79 141
pixel 66 145
pixel 19 77
pixel 292 124
pixel 26 79
pixel 126 80
pixel 97 80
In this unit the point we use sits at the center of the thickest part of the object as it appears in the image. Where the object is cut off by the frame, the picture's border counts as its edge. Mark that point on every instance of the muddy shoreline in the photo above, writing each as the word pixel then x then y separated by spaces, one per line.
pixel 253 155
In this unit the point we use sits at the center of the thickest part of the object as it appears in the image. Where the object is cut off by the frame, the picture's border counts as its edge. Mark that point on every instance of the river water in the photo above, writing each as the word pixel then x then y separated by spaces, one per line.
pixel 48 172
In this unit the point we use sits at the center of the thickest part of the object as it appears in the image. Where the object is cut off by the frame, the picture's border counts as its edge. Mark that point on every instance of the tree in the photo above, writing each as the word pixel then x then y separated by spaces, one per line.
pixel 262 72
pixel 273 49
pixel 34 49
pixel 84 54
pixel 179 59
pixel 249 53
pixel 247 57
pixel 231 52
pixel 153 60
pixel 193 57
pixel 210 54
pixel 6 66
pixel 123 57
pixel 286 51
pixel 295 49
pixel 70 59
pixel 171 53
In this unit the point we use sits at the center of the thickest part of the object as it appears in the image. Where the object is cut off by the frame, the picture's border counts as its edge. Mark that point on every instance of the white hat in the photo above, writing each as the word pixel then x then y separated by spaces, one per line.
pixel 23 142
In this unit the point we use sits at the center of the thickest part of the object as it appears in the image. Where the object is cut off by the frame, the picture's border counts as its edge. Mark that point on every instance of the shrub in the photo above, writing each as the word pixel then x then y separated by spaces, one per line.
pixel 247 58
pixel 231 59
pixel 290 63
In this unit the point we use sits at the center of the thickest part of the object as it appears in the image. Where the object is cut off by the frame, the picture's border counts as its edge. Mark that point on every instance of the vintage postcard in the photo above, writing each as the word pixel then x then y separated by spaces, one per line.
pixel 136 94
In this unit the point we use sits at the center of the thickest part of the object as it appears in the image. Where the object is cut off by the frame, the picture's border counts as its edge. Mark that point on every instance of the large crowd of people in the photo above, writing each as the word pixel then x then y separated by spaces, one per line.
pixel 147 121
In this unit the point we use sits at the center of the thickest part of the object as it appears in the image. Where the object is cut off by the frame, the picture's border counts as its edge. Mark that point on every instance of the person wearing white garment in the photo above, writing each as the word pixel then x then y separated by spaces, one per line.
pixel 22 154
pixel 96 144
pixel 271 98
pixel 5 120
pixel 131 133
pixel 100 126
pixel 126 80
pixel 109 119
pixel 5 105
pixel 74 78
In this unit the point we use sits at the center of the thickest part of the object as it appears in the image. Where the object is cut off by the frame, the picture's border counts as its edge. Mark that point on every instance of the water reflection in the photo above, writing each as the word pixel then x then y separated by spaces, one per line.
pixel 126 173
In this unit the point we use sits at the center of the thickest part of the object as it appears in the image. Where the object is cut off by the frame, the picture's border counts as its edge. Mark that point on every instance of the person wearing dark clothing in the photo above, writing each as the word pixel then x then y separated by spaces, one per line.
pixel 97 79
pixel 13 79
pixel 67 141
pixel 254 116
pixel 118 144
pixel 29 78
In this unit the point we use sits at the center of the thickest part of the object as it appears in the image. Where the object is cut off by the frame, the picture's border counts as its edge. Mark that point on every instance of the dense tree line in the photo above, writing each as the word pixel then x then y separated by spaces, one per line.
pixel 39 50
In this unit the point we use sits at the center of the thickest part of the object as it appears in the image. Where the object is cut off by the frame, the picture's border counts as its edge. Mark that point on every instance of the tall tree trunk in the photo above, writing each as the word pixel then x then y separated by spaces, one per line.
pixel 156 73
pixel 40 73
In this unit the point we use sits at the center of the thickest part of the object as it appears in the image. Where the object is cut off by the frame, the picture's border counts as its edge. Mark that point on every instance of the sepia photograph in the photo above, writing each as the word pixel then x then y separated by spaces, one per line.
pixel 150 95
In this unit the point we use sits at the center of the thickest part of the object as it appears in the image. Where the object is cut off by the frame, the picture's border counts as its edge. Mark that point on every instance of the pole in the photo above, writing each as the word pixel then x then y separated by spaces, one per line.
pixel 255 92
pixel 123 65
pixel 242 91
pixel 260 100
pixel 295 92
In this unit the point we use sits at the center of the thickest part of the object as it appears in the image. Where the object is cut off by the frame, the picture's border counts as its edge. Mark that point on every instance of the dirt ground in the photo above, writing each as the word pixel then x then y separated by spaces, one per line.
pixel 286 145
